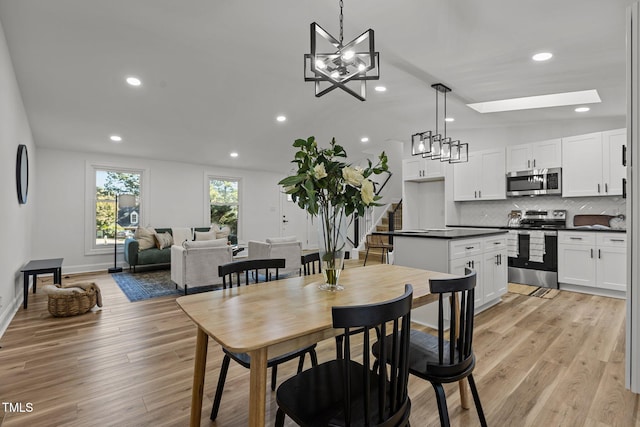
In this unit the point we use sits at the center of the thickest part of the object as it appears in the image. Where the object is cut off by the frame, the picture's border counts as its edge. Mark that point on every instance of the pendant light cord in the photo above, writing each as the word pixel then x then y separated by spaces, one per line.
pixel 341 24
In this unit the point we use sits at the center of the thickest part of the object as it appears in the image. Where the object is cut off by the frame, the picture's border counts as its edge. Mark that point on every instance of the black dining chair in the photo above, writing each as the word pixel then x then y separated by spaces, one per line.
pixel 248 269
pixel 348 392
pixel 440 359
pixel 309 262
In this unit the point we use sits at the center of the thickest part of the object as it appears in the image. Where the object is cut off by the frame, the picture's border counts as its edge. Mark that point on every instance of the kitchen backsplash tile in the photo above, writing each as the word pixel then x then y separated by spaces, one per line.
pixel 494 212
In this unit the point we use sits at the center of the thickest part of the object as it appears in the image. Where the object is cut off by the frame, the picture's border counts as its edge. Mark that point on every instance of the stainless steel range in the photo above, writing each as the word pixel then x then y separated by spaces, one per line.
pixel 533 247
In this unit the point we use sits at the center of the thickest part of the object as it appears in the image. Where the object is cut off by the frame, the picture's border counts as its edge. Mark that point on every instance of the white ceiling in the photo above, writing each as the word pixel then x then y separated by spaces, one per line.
pixel 216 73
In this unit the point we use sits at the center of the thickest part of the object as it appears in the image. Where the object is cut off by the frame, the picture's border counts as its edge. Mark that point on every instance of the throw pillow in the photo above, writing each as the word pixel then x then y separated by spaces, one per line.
pixel 181 234
pixel 164 240
pixel 204 244
pixel 145 238
pixel 205 235
pixel 285 239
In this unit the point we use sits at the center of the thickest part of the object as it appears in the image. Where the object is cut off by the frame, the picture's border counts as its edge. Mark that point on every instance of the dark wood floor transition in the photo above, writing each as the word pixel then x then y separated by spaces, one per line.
pixel 541 362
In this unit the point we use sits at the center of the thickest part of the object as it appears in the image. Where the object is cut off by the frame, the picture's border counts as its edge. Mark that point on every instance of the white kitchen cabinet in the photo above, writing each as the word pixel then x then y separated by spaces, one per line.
pixel 592 260
pixel 592 164
pixel 481 178
pixel 536 155
pixel 419 169
pixel 494 266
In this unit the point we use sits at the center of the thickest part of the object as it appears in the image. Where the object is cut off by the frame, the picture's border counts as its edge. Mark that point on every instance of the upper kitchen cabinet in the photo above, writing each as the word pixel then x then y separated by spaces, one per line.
pixel 481 178
pixel 592 164
pixel 419 169
pixel 536 155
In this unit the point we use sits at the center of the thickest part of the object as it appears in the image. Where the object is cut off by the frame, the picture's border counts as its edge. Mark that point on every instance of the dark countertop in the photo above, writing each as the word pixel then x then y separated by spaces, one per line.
pixel 581 228
pixel 448 233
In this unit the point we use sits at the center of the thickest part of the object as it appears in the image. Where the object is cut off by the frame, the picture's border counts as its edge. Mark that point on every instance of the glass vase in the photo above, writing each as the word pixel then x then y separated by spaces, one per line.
pixel 332 239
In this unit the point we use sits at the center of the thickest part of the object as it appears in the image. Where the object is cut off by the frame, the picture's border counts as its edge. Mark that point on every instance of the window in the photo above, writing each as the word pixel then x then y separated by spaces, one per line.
pixel 107 223
pixel 224 202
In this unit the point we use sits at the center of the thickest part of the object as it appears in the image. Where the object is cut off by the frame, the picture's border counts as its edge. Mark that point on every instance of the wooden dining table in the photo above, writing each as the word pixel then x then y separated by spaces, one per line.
pixel 273 318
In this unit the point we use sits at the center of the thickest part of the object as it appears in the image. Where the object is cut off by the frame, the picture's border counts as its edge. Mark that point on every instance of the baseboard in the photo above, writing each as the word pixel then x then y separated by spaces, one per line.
pixel 593 291
pixel 8 314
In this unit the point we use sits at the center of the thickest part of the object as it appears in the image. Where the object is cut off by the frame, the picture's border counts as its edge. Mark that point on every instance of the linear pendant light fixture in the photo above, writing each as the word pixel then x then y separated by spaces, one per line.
pixel 344 64
pixel 436 146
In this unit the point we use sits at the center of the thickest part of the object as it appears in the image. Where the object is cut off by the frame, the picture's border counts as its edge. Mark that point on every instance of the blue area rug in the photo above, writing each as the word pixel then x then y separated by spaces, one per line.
pixel 151 284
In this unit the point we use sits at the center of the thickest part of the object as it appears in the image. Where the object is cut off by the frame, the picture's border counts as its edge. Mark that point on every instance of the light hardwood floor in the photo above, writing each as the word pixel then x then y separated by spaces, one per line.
pixel 541 362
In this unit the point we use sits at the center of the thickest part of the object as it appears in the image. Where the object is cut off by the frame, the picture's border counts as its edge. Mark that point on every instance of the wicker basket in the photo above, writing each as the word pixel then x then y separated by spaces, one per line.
pixel 71 300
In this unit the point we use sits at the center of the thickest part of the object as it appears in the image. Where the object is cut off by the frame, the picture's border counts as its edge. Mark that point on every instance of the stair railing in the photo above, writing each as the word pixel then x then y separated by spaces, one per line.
pixel 366 222
pixel 395 220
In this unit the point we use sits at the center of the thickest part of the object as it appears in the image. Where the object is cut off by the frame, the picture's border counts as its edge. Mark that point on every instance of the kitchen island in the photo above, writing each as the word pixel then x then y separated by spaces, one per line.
pixel 451 250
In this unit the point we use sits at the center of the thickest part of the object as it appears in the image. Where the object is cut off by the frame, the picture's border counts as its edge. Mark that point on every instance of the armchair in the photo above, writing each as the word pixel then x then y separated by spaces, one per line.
pixel 196 263
pixel 279 247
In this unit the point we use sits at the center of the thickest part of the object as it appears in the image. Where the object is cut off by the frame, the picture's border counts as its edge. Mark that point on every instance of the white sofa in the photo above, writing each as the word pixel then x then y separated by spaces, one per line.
pixel 288 248
pixel 195 263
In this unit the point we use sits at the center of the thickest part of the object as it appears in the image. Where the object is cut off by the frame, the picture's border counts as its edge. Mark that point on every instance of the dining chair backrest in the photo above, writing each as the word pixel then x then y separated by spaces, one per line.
pixel 309 262
pixel 457 355
pixel 255 266
pixel 391 402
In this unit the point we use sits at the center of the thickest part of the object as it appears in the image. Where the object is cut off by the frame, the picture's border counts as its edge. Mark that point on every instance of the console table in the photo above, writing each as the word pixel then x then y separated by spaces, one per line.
pixel 40 266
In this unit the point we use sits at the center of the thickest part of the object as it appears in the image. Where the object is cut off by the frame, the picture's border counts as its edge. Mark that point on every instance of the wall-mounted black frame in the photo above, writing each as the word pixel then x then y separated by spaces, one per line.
pixel 22 173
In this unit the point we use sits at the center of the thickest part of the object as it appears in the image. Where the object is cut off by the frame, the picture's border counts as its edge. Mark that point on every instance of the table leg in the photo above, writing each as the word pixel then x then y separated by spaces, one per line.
pixel 464 395
pixel 258 388
pixel 35 280
pixel 26 289
pixel 197 392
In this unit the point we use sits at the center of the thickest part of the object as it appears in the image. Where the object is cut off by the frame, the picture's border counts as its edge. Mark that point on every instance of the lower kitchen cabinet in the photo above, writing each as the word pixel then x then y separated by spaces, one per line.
pixel 594 261
pixel 486 255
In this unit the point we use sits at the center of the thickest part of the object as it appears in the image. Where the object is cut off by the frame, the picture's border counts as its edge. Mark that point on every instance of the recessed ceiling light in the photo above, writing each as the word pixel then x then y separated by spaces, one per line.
pixel 281 118
pixel 134 81
pixel 541 101
pixel 449 119
pixel 233 154
pixel 542 56
pixel 582 109
pixel 380 89
pixel 364 139
pixel 115 138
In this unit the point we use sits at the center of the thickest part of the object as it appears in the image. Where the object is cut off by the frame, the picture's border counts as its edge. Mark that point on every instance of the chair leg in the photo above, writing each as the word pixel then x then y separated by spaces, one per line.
pixel 279 418
pixel 301 363
pixel 442 404
pixel 220 388
pixel 185 289
pixel 382 259
pixel 314 357
pixel 366 254
pixel 476 399
pixel 274 374
pixel 339 339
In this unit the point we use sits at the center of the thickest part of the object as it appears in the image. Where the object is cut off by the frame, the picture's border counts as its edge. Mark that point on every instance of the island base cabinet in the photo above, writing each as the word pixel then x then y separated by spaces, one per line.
pixel 487 256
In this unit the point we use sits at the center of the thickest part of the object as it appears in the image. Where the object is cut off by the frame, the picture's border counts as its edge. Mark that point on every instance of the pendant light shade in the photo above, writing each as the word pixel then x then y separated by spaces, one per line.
pixel 438 146
pixel 333 64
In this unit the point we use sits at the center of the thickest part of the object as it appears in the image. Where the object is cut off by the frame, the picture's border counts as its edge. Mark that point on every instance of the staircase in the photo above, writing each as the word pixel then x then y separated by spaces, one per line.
pixel 394 213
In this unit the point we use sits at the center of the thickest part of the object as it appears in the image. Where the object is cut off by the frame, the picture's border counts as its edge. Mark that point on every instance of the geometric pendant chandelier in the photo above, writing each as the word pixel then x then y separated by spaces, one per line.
pixel 333 64
pixel 436 146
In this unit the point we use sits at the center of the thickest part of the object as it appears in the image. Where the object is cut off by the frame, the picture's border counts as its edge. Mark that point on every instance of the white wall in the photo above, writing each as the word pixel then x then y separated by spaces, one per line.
pixel 176 197
pixel 15 218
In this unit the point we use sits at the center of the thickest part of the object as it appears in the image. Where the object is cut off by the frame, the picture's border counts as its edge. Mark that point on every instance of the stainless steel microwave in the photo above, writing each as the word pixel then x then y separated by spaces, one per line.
pixel 535 182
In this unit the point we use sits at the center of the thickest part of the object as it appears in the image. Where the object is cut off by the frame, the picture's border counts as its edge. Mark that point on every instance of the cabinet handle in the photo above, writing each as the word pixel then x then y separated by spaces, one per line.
pixel 599 256
pixel 528 164
pixel 624 188
pixel 575 238
pixel 606 187
pixel 591 250
pixel 473 264
pixel 534 163
pixel 479 194
pixel 496 243
pixel 598 188
pixel 624 155
pixel 617 240
pixel 469 247
pixel 500 255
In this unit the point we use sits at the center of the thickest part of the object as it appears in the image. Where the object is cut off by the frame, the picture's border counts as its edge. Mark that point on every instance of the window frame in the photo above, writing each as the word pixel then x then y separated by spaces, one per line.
pixel 91 168
pixel 208 176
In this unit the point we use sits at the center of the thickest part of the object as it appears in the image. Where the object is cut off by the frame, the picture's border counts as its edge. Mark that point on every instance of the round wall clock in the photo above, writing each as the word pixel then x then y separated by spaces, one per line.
pixel 22 173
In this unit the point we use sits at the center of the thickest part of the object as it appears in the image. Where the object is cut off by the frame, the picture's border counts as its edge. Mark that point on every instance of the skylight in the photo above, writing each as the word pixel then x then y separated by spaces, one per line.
pixel 540 101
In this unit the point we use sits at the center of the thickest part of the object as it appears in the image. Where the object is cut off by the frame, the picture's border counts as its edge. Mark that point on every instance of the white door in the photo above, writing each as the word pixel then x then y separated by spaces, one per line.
pixel 519 158
pixel 582 165
pixel 494 183
pixel 576 265
pixel 465 178
pixel 293 221
pixel 613 170
pixel 547 154
pixel 612 268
